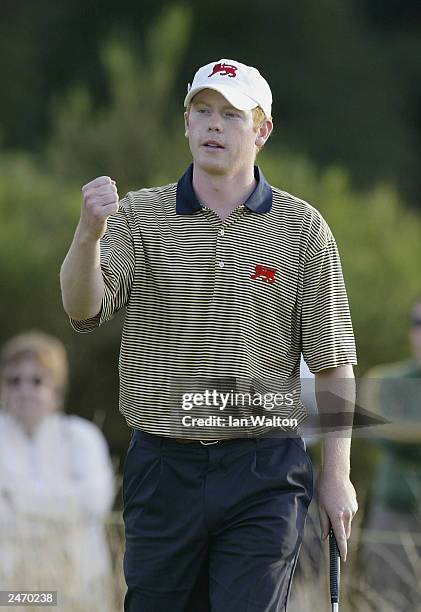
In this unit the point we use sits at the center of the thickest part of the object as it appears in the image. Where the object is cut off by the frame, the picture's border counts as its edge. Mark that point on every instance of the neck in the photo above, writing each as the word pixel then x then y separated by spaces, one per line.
pixel 223 193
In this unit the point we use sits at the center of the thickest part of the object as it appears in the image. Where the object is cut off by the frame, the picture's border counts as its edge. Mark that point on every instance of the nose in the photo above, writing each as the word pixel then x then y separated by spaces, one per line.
pixel 25 391
pixel 215 123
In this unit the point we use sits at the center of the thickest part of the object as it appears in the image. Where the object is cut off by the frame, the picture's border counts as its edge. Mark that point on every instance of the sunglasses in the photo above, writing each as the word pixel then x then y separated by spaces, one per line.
pixel 416 322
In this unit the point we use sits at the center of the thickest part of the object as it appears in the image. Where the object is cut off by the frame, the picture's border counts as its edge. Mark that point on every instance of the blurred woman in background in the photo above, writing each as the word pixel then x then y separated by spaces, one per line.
pixel 56 481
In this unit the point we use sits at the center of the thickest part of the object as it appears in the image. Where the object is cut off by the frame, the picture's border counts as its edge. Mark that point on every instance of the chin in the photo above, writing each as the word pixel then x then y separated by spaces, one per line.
pixel 215 167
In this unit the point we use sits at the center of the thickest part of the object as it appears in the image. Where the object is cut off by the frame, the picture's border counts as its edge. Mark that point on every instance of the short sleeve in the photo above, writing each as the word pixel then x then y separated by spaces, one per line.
pixel 326 328
pixel 117 266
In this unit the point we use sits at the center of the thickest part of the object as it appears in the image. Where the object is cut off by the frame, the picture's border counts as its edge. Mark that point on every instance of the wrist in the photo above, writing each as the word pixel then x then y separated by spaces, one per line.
pixel 85 238
pixel 336 473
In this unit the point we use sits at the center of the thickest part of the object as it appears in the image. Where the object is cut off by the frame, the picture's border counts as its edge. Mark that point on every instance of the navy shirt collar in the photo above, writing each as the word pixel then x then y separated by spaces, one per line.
pixel 260 201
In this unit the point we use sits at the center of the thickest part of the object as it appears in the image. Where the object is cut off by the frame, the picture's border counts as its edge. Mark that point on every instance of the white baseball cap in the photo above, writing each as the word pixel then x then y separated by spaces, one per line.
pixel 243 86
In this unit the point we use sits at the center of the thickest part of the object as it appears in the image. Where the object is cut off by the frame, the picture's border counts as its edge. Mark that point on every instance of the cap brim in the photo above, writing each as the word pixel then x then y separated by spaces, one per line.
pixel 235 98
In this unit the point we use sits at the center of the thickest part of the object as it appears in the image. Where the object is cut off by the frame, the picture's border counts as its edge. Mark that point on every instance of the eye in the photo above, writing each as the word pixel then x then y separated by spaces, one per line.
pixel 232 114
pixel 13 381
pixel 16 381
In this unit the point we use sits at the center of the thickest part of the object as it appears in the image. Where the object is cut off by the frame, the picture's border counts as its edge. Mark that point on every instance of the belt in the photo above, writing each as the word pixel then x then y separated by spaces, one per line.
pixel 203 442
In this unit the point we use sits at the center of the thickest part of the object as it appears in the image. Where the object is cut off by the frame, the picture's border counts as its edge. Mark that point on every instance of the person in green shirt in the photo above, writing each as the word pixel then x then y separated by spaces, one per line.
pixel 394 392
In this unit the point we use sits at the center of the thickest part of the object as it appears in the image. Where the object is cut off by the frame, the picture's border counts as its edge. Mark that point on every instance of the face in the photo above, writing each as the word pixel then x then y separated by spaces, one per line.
pixel 28 392
pixel 222 138
pixel 415 333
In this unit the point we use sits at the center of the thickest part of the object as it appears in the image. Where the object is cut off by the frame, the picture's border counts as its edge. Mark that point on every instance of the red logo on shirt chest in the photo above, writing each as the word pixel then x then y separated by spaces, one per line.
pixel 265 273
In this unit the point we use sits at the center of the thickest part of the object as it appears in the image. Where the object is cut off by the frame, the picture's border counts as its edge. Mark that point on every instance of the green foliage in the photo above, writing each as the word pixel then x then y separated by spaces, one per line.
pixel 380 245
pixel 345 73
pixel 36 210
pixel 124 140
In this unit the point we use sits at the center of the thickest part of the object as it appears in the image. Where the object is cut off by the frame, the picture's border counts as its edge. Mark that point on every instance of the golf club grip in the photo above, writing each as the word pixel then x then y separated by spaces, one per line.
pixel 334 567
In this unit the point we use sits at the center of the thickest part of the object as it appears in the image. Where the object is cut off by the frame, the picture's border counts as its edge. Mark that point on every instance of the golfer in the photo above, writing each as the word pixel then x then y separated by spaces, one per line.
pixel 226 281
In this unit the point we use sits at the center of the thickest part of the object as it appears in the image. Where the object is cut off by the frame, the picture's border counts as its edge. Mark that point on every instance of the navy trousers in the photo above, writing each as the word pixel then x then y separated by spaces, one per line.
pixel 213 528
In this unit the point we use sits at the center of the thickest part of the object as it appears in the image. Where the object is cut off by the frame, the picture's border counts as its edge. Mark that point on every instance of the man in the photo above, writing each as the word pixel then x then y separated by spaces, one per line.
pixel 56 481
pixel 226 279
pixel 394 392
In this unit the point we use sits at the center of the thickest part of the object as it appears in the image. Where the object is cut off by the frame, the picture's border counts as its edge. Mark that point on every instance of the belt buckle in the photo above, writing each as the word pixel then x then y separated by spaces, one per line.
pixel 208 442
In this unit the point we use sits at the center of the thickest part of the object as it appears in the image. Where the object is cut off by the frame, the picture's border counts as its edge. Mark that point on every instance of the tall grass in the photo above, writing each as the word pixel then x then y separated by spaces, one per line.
pixel 310 587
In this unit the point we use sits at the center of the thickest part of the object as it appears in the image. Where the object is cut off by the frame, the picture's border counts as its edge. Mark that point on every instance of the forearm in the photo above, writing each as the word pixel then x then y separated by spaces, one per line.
pixel 82 284
pixel 336 453
pixel 335 393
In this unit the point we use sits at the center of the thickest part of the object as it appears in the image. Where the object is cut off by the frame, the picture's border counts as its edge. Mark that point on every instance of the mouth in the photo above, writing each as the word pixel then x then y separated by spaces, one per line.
pixel 212 144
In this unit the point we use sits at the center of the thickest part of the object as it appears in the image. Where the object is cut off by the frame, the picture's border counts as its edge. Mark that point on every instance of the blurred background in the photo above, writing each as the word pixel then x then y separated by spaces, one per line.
pixel 92 88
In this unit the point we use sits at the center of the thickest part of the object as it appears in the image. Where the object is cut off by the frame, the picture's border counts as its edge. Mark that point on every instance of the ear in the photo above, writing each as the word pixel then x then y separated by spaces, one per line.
pixel 186 124
pixel 263 133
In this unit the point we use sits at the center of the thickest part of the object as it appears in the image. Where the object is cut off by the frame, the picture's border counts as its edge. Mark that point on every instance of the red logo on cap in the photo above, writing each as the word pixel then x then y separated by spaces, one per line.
pixel 265 273
pixel 224 70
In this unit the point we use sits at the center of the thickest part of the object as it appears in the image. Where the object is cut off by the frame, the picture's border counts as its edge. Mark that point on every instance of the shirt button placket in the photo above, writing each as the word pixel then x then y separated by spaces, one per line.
pixel 220 261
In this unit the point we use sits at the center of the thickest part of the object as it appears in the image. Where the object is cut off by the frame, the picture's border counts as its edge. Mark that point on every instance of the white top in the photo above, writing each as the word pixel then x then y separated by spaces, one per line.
pixel 308 397
pixel 55 490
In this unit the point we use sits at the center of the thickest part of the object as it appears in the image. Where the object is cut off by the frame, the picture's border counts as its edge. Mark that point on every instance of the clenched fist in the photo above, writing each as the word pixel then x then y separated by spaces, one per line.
pixel 100 200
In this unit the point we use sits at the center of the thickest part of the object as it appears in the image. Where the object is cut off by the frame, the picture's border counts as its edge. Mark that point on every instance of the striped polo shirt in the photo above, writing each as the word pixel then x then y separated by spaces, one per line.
pixel 220 309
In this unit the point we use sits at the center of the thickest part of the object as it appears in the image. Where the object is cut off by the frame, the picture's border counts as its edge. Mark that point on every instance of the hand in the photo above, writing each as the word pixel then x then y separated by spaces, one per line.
pixel 337 507
pixel 100 200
